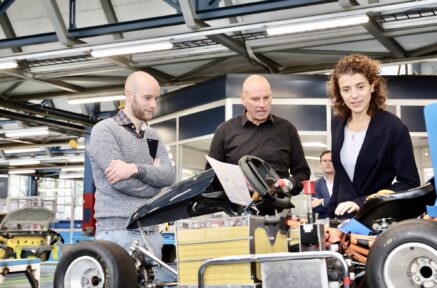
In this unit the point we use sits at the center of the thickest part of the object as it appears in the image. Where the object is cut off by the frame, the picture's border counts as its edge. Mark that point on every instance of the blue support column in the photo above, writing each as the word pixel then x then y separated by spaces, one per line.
pixel 88 222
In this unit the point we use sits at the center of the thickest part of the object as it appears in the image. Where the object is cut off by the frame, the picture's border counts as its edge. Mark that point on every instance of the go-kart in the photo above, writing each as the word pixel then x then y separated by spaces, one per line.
pixel 402 255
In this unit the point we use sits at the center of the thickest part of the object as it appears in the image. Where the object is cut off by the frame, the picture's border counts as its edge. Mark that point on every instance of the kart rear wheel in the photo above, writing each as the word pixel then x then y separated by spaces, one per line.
pixel 405 255
pixel 98 264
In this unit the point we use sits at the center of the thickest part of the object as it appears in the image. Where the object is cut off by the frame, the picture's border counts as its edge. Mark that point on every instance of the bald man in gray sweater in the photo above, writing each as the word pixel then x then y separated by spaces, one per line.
pixel 130 164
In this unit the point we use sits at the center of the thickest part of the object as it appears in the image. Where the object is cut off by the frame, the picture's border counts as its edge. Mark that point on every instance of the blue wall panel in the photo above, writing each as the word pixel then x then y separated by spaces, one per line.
pixel 411 87
pixel 283 86
pixel 304 117
pixel 192 96
pixel 201 123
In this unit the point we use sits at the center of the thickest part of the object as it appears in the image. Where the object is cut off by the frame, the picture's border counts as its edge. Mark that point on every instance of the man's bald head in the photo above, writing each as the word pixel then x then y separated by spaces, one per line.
pixel 138 79
pixel 256 97
pixel 255 82
pixel 142 92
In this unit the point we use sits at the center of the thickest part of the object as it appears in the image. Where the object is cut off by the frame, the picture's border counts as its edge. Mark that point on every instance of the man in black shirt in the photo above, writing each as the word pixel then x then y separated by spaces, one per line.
pixel 259 133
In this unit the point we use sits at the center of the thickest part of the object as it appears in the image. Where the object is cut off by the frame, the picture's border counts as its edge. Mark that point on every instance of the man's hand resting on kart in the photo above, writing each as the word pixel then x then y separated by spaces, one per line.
pixel 346 207
pixel 119 170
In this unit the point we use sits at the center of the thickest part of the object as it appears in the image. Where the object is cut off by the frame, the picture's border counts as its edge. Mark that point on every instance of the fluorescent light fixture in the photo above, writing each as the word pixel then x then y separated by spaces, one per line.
pixel 21 171
pixel 96 99
pixel 8 64
pixel 72 169
pixel 312 158
pixel 22 150
pixel 76 159
pixel 21 162
pixel 34 131
pixel 133 49
pixel 314 144
pixel 70 175
pixel 319 25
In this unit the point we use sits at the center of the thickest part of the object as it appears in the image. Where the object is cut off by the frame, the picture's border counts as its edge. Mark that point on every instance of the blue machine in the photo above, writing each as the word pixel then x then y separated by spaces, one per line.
pixel 431 127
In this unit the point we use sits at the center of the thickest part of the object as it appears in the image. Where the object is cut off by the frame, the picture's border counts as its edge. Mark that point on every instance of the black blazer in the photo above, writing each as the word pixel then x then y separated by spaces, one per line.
pixel 387 152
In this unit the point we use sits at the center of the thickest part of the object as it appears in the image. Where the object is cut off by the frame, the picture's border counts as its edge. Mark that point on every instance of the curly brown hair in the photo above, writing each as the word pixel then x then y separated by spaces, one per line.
pixel 357 64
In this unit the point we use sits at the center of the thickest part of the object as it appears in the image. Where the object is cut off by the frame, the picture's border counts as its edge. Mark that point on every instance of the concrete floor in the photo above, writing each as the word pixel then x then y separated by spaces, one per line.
pixel 19 280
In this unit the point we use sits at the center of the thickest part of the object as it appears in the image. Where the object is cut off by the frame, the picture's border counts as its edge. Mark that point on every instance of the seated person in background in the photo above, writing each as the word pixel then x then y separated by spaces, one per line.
pixel 371 148
pixel 323 186
pixel 259 133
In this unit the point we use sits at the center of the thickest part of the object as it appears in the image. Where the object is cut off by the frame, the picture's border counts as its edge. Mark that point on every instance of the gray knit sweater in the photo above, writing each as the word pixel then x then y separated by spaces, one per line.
pixel 117 202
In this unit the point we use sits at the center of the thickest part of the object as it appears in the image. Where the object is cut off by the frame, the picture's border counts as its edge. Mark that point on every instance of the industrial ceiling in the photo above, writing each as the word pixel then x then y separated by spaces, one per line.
pixel 52 42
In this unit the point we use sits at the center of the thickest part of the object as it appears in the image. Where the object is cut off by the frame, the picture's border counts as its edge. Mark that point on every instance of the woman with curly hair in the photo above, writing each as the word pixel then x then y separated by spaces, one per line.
pixel 371 147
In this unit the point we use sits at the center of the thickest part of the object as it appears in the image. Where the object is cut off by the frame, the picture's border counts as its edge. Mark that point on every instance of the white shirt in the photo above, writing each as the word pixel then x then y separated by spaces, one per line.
pixel 329 185
pixel 349 151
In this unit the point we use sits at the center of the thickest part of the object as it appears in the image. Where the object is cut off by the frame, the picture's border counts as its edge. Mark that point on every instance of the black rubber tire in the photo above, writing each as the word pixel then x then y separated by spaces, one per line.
pixel 405 233
pixel 118 266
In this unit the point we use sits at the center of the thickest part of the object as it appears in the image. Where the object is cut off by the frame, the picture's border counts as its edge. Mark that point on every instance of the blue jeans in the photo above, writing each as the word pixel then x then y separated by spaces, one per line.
pixel 125 238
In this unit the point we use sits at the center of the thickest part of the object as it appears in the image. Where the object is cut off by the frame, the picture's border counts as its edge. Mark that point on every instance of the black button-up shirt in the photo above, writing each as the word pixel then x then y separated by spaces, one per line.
pixel 276 141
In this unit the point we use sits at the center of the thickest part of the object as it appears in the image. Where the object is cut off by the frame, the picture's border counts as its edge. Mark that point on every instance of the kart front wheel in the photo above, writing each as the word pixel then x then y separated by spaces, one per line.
pixel 405 255
pixel 95 264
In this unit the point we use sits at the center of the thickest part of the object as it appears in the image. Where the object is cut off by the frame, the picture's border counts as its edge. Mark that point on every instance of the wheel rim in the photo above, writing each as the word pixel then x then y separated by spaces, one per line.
pixel 85 272
pixel 414 263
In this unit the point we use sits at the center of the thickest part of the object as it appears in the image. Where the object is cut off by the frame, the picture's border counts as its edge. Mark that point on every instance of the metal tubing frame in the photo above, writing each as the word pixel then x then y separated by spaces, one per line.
pixel 274 257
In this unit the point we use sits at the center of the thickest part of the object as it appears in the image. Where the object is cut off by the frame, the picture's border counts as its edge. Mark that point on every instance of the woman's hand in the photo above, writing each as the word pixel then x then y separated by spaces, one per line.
pixel 346 207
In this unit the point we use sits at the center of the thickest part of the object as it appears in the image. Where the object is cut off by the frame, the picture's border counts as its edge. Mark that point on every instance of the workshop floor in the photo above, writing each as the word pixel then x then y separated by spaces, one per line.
pixel 19 280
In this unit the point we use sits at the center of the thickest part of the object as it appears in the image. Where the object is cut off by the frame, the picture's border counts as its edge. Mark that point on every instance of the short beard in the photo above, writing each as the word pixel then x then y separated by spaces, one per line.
pixel 137 111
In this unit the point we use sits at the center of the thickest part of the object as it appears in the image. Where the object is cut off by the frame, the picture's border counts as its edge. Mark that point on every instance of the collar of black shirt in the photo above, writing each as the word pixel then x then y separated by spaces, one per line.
pixel 244 119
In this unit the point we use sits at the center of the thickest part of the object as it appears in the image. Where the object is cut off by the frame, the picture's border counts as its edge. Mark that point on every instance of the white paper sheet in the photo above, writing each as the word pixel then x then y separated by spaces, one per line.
pixel 233 181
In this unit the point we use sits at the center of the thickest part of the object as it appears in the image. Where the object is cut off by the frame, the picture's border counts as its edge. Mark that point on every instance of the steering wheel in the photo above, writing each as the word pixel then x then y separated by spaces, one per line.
pixel 262 177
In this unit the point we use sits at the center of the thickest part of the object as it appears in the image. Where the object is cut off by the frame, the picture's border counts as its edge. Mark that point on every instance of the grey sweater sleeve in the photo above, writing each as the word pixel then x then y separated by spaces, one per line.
pixel 105 147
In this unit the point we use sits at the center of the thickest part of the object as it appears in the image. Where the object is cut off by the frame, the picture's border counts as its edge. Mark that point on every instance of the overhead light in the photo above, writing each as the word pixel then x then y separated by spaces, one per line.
pixel 22 162
pixel 312 158
pixel 72 169
pixel 21 171
pixel 133 49
pixel 22 150
pixel 70 175
pixel 34 131
pixel 76 159
pixel 8 64
pixel 319 25
pixel 314 144
pixel 95 99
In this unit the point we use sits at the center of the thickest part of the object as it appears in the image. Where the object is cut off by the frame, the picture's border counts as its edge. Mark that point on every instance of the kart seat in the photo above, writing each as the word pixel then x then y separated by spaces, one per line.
pixel 398 206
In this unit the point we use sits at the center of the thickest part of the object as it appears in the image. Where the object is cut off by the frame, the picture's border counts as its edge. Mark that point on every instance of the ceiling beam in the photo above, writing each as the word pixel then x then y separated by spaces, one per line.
pixel 110 15
pixel 92 92
pixel 58 24
pixel 192 22
pixel 389 43
pixel 57 126
pixel 54 83
pixel 90 78
pixel 15 85
pixel 4 5
pixel 8 30
pixel 423 51
pixel 52 113
pixel 212 63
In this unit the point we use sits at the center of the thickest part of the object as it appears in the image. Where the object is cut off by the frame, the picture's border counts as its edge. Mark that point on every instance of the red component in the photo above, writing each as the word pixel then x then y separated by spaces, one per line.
pixel 308 187
pixel 88 222
pixel 347 281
